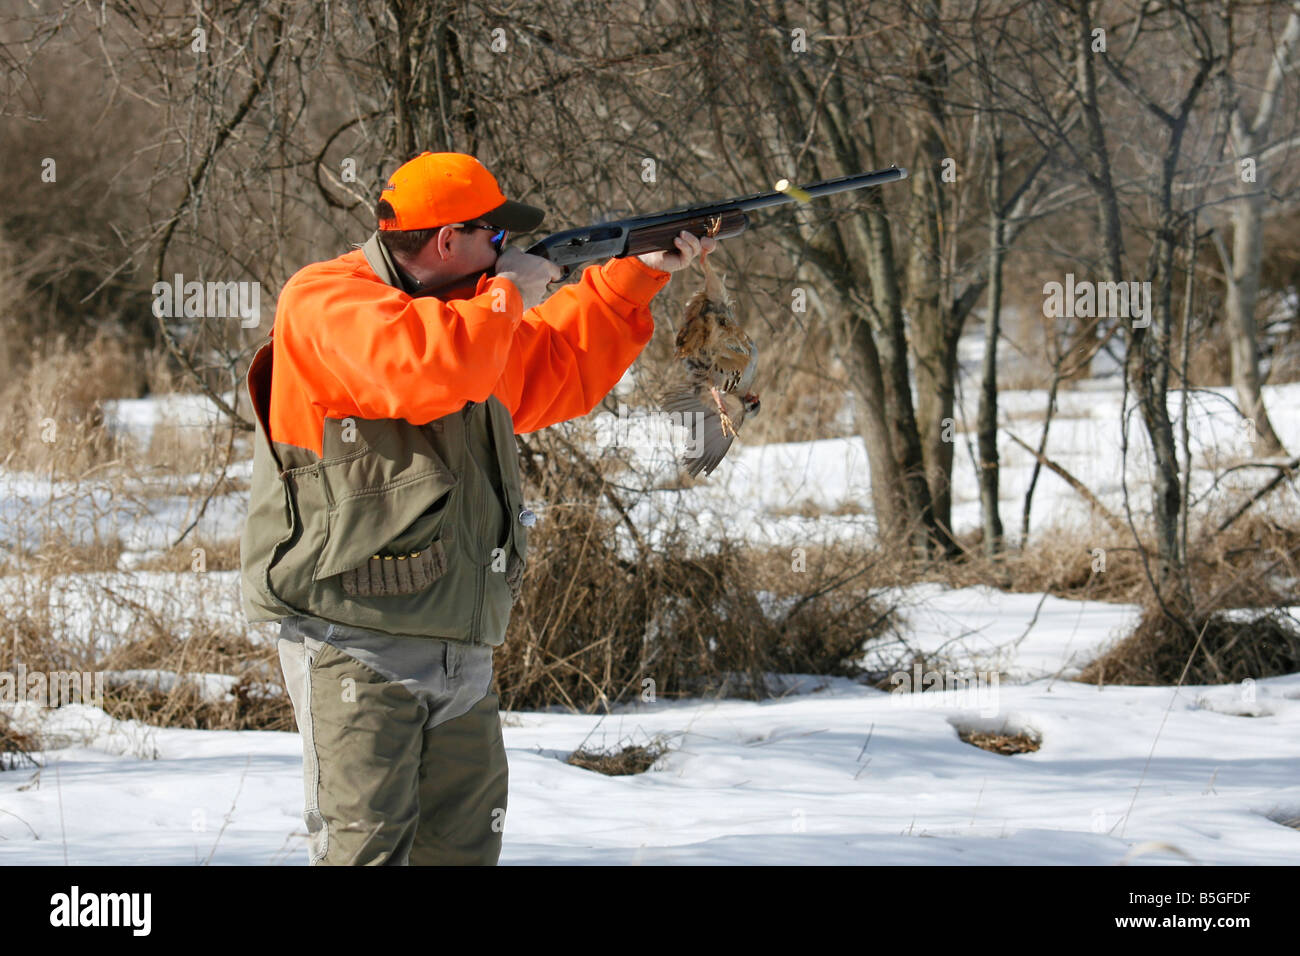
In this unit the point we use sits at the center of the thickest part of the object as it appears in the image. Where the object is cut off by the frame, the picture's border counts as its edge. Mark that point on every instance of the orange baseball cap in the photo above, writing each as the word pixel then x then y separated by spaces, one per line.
pixel 436 189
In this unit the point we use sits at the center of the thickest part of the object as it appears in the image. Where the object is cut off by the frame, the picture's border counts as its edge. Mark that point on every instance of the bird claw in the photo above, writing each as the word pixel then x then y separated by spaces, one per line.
pixel 728 426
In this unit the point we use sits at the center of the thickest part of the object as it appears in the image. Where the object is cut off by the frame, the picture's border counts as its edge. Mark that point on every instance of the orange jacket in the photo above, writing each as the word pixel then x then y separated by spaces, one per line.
pixel 345 343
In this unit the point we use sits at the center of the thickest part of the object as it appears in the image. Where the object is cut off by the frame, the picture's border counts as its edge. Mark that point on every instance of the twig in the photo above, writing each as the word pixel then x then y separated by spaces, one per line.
pixel 772 740
pixel 1074 483
pixel 24 822
pixel 1283 473
pixel 868 743
pixel 977 801
pixel 1160 729
pixel 203 507
pixel 226 821
pixel 280 856
pixel 62 831
pixel 864 750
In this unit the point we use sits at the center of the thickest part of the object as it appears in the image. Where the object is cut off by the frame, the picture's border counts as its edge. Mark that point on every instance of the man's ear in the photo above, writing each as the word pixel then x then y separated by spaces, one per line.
pixel 442 242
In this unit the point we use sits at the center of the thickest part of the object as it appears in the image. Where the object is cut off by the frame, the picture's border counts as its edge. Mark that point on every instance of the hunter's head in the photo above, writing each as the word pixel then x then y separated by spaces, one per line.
pixel 442 217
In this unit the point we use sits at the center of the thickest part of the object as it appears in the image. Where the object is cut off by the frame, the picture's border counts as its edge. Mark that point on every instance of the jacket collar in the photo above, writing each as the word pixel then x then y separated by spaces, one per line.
pixel 379 259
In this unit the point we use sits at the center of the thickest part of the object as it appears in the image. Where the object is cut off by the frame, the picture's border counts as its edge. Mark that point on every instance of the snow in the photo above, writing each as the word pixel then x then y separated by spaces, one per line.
pixel 1022 636
pixel 782 781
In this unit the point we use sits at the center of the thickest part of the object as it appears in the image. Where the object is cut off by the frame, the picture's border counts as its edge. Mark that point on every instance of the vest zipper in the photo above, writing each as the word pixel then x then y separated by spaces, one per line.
pixel 480 578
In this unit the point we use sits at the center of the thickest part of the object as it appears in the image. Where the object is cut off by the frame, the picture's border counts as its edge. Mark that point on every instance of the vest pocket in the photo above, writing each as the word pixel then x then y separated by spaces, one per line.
pixel 403 518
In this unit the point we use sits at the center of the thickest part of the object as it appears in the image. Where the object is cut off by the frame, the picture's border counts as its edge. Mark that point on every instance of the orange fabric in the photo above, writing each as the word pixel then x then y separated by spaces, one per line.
pixel 346 343
pixel 439 188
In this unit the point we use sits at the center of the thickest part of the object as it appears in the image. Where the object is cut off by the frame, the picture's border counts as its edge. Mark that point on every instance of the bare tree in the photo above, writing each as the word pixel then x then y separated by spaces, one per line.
pixel 1251 145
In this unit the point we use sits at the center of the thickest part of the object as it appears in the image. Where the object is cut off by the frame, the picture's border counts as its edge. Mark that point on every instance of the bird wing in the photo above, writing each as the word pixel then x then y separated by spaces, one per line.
pixel 700 417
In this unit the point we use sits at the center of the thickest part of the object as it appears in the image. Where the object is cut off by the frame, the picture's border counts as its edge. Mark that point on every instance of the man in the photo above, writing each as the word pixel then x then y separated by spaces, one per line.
pixel 387 529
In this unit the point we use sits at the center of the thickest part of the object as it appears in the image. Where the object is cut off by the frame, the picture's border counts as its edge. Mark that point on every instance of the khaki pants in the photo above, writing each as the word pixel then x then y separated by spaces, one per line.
pixel 403 758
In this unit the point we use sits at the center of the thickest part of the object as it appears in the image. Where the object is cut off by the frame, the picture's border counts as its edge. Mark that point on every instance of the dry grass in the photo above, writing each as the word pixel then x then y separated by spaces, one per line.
pixel 184 557
pixel 1213 648
pixel 57 423
pixel 1256 562
pixel 620 761
pixel 593 628
pixel 257 700
pixel 121 624
pixel 809 509
pixel 16 748
pixel 597 625
pixel 1243 580
pixel 159 641
pixel 1061 561
pixel 937 673
pixel 1008 744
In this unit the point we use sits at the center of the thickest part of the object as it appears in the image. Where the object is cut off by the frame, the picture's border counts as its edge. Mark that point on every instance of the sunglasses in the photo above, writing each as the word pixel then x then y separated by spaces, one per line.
pixel 498 240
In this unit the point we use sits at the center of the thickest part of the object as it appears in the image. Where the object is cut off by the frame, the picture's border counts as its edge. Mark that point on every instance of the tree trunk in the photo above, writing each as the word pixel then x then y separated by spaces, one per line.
pixel 987 423
pixel 891 345
pixel 1247 214
pixel 1154 354
pixel 1149 346
pixel 1243 294
pixel 888 497
pixel 934 346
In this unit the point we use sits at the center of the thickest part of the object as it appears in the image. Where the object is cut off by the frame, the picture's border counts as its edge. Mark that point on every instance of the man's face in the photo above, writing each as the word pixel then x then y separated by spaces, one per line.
pixel 475 244
pixel 456 252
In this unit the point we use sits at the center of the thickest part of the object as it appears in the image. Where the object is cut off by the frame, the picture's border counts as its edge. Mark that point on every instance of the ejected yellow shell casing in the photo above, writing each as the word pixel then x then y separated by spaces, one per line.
pixel 791 190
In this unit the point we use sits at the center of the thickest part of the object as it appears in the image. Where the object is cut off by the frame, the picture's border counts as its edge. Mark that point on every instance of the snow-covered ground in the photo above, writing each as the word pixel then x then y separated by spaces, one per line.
pixel 830 772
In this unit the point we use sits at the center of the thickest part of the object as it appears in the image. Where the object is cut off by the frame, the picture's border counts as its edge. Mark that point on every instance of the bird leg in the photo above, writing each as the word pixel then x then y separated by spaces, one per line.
pixel 728 427
pixel 714 225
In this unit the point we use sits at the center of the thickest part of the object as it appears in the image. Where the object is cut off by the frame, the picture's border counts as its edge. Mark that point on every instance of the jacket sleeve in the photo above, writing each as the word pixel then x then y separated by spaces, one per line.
pixel 572 349
pixel 376 352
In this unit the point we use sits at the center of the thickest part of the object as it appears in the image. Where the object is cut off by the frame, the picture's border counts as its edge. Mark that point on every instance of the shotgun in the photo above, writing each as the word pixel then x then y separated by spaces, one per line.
pixel 656 231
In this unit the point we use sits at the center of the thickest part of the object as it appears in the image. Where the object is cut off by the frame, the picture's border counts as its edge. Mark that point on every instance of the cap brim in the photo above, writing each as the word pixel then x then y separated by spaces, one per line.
pixel 515 216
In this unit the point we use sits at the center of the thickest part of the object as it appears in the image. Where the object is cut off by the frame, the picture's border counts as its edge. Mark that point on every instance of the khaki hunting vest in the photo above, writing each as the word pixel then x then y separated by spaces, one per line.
pixel 407 529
